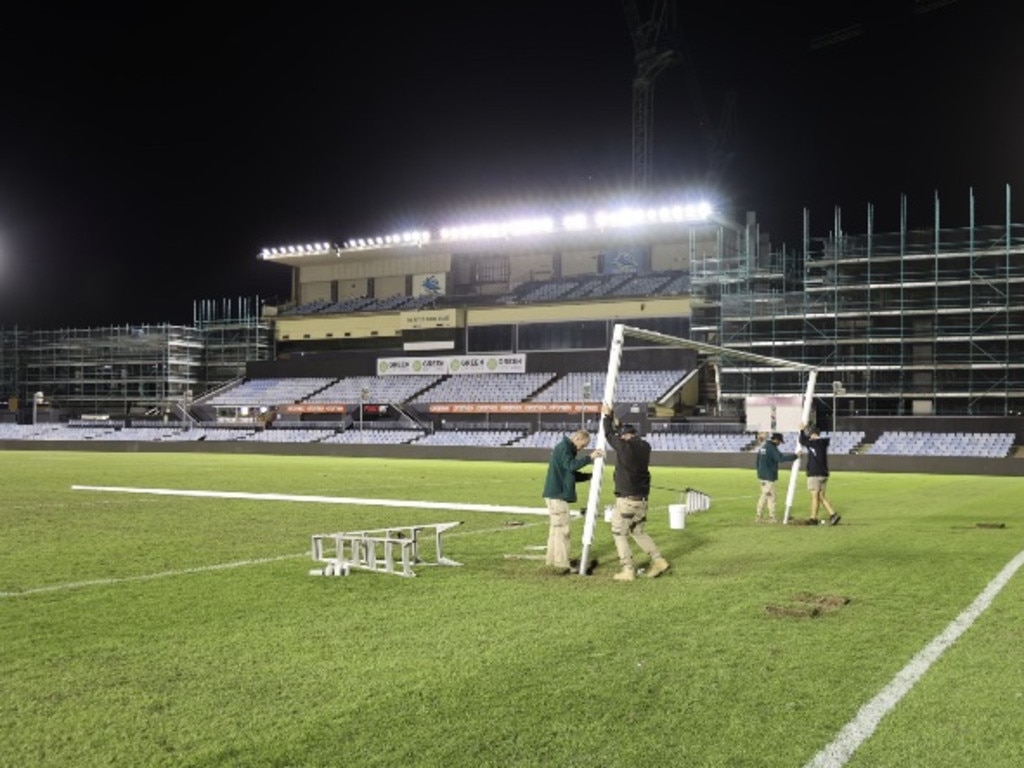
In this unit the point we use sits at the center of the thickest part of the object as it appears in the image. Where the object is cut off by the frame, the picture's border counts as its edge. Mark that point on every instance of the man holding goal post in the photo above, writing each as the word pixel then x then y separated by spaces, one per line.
pixel 816 448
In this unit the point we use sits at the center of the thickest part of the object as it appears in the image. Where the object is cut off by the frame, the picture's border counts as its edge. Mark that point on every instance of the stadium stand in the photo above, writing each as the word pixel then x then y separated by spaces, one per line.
pixel 905 443
pixel 379 389
pixel 700 442
pixel 644 285
pixel 214 433
pixel 296 435
pixel 307 308
pixel 632 386
pixel 547 292
pixel 493 388
pixel 375 436
pixel 543 438
pixel 269 392
pixel 29 431
pixel 485 438
pixel 844 442
pixel 676 286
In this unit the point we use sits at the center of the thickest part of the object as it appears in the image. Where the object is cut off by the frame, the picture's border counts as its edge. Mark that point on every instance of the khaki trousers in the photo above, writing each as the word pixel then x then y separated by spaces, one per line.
pixel 767 497
pixel 558 533
pixel 630 519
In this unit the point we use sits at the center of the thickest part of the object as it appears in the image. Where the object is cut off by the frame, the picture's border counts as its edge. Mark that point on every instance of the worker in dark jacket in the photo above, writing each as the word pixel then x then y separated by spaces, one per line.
pixel 564 467
pixel 816 448
pixel 768 459
pixel 632 488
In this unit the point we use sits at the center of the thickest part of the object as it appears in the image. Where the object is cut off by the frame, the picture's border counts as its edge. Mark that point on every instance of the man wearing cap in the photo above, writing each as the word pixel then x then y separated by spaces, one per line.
pixel 632 486
pixel 768 459
pixel 817 472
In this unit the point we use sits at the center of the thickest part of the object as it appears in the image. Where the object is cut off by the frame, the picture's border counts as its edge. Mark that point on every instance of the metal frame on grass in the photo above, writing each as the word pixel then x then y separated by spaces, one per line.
pixel 619 334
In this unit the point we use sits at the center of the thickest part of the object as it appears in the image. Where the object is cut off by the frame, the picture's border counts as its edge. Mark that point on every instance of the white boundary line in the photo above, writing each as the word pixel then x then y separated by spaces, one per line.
pixel 186 571
pixel 858 730
pixel 317 499
pixel 149 576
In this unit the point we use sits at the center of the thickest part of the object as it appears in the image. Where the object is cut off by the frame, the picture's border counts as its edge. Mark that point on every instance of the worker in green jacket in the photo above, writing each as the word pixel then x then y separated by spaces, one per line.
pixel 567 459
pixel 768 459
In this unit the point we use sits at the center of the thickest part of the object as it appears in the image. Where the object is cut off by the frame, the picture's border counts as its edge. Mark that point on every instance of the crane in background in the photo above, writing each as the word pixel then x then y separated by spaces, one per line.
pixel 657 47
pixel 653 54
pixel 718 136
pixel 895 12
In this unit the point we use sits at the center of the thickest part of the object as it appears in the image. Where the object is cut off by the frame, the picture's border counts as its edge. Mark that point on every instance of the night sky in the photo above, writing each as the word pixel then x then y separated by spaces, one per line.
pixel 145 159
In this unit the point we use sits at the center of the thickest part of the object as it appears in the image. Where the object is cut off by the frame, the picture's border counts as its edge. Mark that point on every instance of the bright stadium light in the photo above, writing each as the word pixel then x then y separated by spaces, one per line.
pixel 298 250
pixel 630 216
pixel 415 238
pixel 498 230
pixel 621 217
pixel 575 222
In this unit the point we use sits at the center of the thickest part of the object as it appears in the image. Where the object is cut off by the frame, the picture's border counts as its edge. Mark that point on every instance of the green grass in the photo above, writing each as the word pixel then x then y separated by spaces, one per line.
pixel 143 630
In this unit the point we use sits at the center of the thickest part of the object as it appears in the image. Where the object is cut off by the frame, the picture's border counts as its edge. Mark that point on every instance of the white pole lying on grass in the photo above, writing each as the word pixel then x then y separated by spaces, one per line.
pixel 404 503
pixel 812 378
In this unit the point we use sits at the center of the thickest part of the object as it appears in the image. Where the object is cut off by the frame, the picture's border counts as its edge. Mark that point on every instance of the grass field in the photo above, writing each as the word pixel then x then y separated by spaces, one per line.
pixel 156 630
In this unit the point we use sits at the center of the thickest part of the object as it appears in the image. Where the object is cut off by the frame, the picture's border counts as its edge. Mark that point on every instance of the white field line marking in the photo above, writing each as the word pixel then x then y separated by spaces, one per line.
pixel 199 569
pixel 318 499
pixel 149 576
pixel 478 531
pixel 858 730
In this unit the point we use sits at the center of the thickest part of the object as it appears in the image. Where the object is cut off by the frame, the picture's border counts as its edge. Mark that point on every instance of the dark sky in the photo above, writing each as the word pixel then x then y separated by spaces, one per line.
pixel 147 156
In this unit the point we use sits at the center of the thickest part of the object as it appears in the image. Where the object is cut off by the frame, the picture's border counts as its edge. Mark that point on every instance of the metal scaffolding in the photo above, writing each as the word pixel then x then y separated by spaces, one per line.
pixel 913 322
pixel 133 371
pixel 117 371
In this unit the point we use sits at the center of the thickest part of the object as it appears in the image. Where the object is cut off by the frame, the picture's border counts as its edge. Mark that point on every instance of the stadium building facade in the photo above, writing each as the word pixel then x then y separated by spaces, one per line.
pixel 920 321
pixel 913 322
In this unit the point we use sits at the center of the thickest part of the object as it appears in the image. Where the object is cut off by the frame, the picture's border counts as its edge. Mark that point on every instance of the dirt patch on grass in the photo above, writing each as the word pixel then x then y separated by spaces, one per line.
pixel 805 605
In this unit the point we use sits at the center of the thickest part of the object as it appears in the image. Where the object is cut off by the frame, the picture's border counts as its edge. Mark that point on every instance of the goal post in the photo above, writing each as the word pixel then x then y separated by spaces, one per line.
pixel 619 334
pixel 594 497
pixel 812 378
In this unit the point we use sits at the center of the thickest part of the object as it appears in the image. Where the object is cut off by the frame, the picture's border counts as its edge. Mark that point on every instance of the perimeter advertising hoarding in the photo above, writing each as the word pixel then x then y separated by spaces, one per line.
pixel 454 365
pixel 568 408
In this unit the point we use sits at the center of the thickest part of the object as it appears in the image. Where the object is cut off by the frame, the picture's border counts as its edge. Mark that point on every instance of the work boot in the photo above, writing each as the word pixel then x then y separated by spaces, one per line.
pixel 658 567
pixel 626 574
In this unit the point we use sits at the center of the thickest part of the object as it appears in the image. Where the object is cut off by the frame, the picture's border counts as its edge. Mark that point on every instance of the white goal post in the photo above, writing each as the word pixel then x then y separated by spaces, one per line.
pixel 619 335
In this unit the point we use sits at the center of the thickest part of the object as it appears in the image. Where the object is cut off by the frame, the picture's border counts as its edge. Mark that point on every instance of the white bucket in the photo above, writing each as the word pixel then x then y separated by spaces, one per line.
pixel 677 516
pixel 608 510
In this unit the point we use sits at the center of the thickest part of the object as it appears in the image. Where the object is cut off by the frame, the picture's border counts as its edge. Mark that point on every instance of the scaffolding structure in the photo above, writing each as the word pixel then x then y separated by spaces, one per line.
pixel 11 341
pixel 914 322
pixel 233 334
pixel 116 371
pixel 133 371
